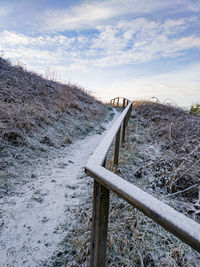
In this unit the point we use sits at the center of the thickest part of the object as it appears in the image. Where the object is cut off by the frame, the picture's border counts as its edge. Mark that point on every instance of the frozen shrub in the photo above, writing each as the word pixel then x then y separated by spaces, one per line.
pixel 195 109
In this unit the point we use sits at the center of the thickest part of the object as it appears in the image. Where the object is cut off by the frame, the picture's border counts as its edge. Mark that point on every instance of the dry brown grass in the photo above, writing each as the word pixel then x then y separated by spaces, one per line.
pixel 178 133
pixel 27 100
pixel 134 239
pixel 37 114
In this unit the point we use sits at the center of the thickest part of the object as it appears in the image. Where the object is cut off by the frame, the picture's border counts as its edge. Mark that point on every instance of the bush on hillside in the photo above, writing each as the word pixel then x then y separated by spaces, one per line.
pixel 176 133
pixel 195 109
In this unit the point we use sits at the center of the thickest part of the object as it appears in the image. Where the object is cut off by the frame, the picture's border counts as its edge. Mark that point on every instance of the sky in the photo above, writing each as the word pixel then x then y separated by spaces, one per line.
pixel 136 49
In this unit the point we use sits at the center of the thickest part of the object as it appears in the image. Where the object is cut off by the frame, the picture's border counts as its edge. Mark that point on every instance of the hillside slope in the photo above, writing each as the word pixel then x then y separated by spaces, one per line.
pixel 40 215
pixel 161 155
pixel 164 150
pixel 38 116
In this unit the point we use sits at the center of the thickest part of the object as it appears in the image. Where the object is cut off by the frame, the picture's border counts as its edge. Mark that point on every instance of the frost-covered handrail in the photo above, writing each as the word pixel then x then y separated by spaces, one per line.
pixel 101 151
pixel 175 222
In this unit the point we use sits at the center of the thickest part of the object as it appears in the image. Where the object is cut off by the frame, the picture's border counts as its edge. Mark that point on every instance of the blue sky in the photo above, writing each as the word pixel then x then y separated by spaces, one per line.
pixel 131 48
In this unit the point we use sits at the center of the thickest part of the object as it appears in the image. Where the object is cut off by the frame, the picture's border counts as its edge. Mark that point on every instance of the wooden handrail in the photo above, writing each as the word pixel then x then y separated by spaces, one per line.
pixel 104 180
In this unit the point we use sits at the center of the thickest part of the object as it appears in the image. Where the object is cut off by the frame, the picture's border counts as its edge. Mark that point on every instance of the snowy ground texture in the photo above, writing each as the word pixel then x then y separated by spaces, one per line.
pixel 134 240
pixel 34 220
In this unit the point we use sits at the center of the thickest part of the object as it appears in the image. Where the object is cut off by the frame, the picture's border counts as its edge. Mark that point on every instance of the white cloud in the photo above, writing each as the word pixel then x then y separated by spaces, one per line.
pixel 77 17
pixel 142 40
pixel 181 86
pixel 32 56
pixel 193 5
pixel 187 42
pixel 92 14
pixel 12 39
pixel 123 36
pixel 3 11
pixel 126 42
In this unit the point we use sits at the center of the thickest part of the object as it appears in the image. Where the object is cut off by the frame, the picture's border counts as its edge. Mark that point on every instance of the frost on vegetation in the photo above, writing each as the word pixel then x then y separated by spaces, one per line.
pixel 37 116
pixel 195 109
pixel 162 154
pixel 133 240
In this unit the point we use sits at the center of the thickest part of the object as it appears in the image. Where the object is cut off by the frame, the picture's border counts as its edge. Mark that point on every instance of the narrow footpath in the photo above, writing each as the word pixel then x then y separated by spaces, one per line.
pixel 31 220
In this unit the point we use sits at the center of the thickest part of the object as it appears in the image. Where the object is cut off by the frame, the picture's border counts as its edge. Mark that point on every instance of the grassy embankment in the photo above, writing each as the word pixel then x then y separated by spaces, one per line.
pixel 38 116
pixel 162 156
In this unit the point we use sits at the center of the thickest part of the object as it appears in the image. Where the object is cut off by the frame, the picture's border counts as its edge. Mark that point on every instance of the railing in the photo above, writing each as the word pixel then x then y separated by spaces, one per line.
pixel 104 180
pixel 117 99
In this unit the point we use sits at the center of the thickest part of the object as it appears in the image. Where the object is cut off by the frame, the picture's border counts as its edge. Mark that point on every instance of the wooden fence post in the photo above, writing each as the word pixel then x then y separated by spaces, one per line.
pixel 118 101
pixel 129 113
pixel 124 129
pixel 123 103
pixel 117 144
pixel 99 225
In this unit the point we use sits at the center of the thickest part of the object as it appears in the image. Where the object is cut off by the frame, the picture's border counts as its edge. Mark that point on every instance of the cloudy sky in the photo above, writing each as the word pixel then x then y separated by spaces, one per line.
pixel 137 49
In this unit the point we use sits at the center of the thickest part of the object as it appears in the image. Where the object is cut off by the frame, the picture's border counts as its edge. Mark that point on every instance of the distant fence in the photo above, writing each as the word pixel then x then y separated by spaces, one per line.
pixel 116 101
pixel 105 181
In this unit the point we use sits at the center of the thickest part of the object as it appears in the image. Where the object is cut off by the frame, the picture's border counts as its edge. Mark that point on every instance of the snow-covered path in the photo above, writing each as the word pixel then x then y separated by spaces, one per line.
pixel 31 219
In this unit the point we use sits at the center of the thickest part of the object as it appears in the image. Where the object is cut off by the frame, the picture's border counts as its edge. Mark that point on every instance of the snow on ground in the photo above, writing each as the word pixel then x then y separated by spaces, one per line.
pixel 30 226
